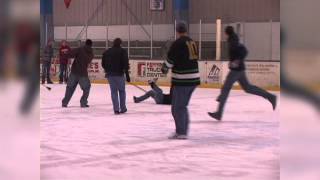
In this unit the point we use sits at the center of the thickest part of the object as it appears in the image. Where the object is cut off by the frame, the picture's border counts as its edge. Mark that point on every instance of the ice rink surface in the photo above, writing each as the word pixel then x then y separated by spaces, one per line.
pixel 94 144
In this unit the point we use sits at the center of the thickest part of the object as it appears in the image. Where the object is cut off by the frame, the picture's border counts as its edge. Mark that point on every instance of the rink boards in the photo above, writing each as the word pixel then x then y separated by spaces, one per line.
pixel 213 73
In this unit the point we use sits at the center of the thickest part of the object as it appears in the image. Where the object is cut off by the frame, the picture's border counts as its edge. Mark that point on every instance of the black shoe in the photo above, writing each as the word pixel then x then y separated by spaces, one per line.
pixel 135 100
pixel 116 112
pixel 124 111
pixel 85 106
pixel 215 115
pixel 43 82
pixel 273 101
pixel 178 136
pixel 64 105
pixel 218 99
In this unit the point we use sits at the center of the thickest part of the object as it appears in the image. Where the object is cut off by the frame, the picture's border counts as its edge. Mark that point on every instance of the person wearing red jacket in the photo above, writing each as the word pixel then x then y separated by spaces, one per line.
pixel 64 60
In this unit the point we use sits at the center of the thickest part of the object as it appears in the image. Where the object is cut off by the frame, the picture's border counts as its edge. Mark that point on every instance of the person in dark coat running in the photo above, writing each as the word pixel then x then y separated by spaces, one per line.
pixel 79 74
pixel 237 55
pixel 156 93
pixel 115 62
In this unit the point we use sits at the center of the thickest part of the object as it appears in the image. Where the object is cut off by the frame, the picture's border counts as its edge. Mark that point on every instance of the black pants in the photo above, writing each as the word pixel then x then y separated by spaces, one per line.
pixel 241 77
pixel 63 76
pixel 46 65
pixel 73 81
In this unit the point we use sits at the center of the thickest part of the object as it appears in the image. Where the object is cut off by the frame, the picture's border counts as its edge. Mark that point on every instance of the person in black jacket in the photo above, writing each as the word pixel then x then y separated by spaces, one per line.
pixel 46 62
pixel 156 93
pixel 237 54
pixel 115 62
pixel 182 58
pixel 79 74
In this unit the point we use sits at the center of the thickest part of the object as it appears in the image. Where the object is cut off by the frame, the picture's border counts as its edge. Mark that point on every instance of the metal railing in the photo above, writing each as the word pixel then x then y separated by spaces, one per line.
pixel 211 42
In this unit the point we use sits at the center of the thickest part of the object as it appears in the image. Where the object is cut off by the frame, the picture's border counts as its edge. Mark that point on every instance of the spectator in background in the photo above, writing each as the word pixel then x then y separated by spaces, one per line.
pixel 46 62
pixel 64 60
pixel 115 62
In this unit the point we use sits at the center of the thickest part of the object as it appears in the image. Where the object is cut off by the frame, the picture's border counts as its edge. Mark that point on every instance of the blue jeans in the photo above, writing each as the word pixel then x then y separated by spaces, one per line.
pixel 156 93
pixel 73 81
pixel 181 96
pixel 118 92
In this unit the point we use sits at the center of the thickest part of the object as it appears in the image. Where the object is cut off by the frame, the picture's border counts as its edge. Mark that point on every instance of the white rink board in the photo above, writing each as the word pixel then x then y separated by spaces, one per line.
pixel 264 74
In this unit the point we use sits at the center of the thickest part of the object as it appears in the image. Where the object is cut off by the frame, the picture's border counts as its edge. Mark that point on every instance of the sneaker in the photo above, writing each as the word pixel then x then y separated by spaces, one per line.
pixel 135 100
pixel 85 106
pixel 64 105
pixel 178 136
pixel 273 101
pixel 124 111
pixel 116 112
pixel 215 115
pixel 218 99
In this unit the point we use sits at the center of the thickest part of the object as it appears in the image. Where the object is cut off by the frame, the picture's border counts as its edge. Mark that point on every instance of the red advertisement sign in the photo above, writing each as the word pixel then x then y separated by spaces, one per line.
pixel 150 70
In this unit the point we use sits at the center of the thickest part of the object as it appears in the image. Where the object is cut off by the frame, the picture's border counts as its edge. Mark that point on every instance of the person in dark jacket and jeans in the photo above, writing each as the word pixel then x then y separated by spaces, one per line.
pixel 156 93
pixel 237 54
pixel 182 58
pixel 115 62
pixel 79 74
pixel 46 62
pixel 64 60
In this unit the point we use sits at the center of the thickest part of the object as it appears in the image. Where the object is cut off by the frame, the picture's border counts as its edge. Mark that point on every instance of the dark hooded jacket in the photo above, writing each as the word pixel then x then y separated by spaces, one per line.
pixel 115 61
pixel 82 58
pixel 237 52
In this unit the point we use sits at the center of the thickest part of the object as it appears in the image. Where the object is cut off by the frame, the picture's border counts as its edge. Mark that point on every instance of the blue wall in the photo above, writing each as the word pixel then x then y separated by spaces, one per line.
pixel 46 7
pixel 46 17
pixel 181 10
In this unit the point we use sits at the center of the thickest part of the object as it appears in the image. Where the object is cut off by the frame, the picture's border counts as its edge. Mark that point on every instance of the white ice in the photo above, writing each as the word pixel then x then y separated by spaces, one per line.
pixel 94 144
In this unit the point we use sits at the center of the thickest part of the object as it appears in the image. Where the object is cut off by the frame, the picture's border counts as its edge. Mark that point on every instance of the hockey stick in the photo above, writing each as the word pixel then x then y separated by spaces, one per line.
pixel 137 87
pixel 47 87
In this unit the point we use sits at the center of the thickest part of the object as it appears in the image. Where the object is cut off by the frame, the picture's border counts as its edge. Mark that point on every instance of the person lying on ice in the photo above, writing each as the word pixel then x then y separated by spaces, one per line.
pixel 156 93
